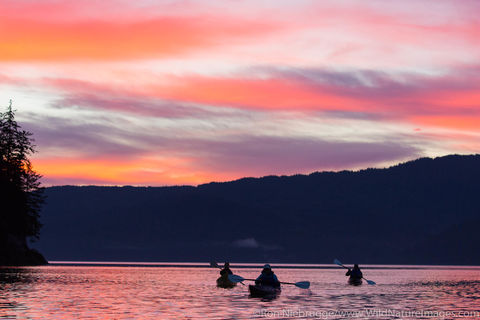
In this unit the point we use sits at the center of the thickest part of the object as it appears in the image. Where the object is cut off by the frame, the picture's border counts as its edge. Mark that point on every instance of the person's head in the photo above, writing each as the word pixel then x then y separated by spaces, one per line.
pixel 355 266
pixel 267 268
pixel 226 265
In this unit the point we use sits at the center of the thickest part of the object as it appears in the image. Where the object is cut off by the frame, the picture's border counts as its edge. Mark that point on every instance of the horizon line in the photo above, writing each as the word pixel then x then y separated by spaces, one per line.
pixel 244 265
pixel 260 177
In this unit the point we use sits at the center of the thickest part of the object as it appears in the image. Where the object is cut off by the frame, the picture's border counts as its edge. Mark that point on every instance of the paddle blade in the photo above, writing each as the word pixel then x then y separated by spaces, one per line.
pixel 213 264
pixel 371 282
pixel 336 261
pixel 235 278
pixel 303 284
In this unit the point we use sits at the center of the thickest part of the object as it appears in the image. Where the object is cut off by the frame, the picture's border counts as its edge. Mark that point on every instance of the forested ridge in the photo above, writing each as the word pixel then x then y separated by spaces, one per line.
pixel 424 211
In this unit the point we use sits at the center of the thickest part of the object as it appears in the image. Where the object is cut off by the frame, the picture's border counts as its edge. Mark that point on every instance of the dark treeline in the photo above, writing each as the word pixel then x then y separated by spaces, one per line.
pixel 421 212
pixel 20 192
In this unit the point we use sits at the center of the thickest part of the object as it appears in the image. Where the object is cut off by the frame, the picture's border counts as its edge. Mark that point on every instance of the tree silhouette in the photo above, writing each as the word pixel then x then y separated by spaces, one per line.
pixel 20 189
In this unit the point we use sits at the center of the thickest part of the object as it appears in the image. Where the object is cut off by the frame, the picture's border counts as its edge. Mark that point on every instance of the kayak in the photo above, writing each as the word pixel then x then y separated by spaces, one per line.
pixel 263 291
pixel 223 282
pixel 355 281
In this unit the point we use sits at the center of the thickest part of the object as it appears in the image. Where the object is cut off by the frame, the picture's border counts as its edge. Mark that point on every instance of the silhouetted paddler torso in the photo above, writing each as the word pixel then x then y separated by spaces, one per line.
pixel 226 270
pixel 268 278
pixel 355 273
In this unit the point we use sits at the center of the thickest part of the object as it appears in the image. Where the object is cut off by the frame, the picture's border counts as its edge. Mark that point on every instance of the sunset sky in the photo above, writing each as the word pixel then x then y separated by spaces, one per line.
pixel 185 92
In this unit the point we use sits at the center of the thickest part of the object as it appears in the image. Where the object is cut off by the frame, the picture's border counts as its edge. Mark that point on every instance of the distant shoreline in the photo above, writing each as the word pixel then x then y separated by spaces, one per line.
pixel 250 265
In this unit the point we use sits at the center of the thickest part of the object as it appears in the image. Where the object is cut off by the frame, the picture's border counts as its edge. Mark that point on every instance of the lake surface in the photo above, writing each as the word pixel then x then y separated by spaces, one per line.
pixel 182 292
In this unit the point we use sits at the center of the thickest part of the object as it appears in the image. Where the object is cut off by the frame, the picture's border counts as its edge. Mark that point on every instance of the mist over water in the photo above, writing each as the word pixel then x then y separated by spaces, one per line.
pixel 126 292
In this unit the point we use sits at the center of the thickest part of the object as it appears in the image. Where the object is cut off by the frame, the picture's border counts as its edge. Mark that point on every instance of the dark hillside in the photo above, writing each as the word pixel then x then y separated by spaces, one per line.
pixel 420 212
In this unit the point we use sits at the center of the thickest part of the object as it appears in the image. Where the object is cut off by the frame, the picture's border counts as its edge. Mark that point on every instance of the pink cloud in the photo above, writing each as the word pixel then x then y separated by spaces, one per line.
pixel 308 89
pixel 135 34
pixel 409 64
pixel 346 34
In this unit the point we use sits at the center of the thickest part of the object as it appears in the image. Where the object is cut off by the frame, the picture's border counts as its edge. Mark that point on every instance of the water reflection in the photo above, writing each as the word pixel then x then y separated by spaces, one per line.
pixel 67 292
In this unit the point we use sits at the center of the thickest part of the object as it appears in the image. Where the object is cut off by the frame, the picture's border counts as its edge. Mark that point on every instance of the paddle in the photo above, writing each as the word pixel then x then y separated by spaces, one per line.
pixel 336 261
pixel 301 284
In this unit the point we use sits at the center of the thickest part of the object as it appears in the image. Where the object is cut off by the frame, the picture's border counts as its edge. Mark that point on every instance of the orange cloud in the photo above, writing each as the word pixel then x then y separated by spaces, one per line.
pixel 112 30
pixel 452 98
pixel 115 171
pixel 386 99
pixel 390 100
pixel 464 123
pixel 269 94
pixel 24 40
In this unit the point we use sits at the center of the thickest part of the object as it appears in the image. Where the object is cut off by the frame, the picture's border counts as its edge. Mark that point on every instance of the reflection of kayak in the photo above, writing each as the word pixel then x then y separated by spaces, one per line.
pixel 355 281
pixel 263 291
pixel 223 282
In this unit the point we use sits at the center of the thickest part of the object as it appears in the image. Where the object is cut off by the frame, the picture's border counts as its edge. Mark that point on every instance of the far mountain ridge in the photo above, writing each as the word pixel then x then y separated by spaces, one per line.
pixel 423 211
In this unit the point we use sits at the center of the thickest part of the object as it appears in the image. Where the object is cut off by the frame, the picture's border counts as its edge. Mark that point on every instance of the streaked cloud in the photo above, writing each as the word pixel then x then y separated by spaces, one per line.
pixel 186 92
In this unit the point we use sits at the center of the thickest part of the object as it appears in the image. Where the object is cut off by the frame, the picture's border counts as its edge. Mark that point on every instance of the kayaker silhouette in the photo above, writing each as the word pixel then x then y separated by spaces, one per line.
pixel 223 281
pixel 267 278
pixel 355 275
pixel 226 270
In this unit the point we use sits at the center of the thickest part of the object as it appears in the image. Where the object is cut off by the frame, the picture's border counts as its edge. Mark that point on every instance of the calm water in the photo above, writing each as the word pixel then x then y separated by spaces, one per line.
pixel 85 292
